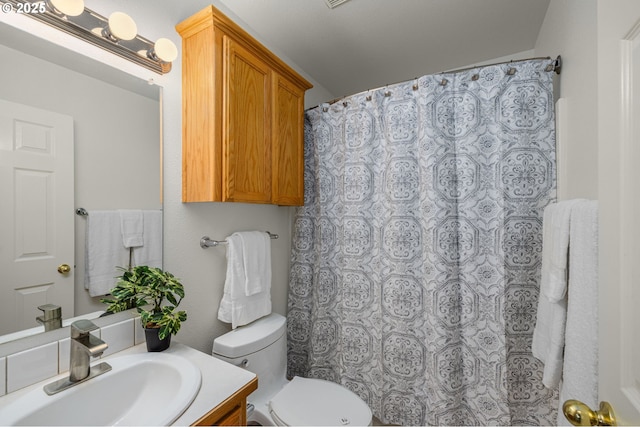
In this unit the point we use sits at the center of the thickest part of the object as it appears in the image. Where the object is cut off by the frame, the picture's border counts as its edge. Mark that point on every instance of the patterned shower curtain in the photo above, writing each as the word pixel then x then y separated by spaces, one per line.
pixel 416 258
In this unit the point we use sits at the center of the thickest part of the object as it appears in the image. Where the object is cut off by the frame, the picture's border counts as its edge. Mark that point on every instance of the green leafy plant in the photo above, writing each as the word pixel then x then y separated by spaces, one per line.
pixel 146 289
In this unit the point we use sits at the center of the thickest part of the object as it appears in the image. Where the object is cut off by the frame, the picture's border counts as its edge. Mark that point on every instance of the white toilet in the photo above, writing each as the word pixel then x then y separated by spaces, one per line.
pixel 261 347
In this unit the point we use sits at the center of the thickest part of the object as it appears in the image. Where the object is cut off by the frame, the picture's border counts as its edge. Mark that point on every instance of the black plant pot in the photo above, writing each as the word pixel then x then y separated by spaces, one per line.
pixel 153 342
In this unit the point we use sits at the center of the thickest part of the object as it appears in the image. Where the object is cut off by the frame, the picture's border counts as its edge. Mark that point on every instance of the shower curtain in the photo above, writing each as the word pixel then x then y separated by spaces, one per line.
pixel 416 257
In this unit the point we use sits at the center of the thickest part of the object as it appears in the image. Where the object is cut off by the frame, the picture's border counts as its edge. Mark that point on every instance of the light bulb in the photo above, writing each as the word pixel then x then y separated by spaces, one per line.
pixel 121 27
pixel 67 7
pixel 165 50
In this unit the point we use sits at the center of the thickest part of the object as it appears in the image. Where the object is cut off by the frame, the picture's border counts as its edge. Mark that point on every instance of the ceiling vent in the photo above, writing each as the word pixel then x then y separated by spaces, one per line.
pixel 334 3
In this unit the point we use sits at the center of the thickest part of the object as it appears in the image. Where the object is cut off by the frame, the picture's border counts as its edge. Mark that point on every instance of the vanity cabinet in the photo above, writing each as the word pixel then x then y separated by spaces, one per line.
pixel 242 116
pixel 231 412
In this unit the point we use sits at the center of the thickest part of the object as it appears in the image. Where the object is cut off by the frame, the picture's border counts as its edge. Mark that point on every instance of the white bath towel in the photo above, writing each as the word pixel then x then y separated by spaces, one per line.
pixel 132 228
pixel 554 279
pixel 580 367
pixel 104 251
pixel 150 253
pixel 236 306
pixel 549 332
pixel 548 339
pixel 235 278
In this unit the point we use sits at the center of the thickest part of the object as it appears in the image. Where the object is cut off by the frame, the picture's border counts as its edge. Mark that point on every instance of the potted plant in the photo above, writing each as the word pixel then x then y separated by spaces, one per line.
pixel 146 289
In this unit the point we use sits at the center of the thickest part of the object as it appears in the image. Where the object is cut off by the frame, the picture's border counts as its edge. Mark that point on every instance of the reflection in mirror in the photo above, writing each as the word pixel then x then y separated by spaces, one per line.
pixel 109 121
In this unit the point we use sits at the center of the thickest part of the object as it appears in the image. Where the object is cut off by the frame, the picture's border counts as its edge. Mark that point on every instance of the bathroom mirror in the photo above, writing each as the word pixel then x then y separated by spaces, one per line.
pixel 116 146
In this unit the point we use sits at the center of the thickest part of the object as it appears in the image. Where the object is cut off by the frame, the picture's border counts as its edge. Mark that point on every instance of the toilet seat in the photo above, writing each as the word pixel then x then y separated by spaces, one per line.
pixel 306 401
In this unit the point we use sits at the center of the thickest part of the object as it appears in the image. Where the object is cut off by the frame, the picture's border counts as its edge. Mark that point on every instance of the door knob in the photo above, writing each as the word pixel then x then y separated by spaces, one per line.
pixel 64 268
pixel 580 414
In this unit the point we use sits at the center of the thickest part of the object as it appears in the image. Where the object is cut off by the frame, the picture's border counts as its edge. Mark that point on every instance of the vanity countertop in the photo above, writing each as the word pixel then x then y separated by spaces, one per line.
pixel 220 380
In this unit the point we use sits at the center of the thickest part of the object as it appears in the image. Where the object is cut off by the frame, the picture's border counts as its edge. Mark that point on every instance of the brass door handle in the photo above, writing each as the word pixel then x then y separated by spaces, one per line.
pixel 64 268
pixel 580 414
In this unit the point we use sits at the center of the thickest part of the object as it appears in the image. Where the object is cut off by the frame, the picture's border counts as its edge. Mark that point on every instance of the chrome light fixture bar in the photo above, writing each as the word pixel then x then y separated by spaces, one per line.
pixel 116 34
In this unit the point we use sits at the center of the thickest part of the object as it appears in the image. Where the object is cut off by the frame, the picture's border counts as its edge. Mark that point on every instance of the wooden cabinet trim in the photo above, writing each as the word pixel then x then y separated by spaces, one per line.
pixel 212 16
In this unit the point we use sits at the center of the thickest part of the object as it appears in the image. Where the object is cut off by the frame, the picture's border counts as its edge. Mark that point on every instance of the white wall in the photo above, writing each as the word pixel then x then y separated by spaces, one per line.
pixel 569 29
pixel 117 142
pixel 202 271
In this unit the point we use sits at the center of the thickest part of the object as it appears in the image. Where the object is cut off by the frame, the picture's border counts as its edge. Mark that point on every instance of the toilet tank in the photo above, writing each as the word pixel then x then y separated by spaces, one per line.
pixel 250 338
pixel 260 347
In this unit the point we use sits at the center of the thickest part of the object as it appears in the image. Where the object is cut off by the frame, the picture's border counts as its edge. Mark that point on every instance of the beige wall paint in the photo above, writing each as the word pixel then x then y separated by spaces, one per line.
pixel 569 29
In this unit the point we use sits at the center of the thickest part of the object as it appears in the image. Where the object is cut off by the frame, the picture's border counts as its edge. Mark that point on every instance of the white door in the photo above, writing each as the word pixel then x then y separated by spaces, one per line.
pixel 36 214
pixel 619 194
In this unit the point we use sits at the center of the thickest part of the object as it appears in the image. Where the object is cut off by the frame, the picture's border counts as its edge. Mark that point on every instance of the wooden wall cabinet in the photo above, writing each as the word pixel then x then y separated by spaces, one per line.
pixel 243 116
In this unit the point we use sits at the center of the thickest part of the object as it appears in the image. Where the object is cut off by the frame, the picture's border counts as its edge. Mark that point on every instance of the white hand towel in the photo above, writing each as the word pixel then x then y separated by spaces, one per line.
pixel 549 332
pixel 104 252
pixel 236 307
pixel 580 367
pixel 256 254
pixel 150 253
pixel 132 227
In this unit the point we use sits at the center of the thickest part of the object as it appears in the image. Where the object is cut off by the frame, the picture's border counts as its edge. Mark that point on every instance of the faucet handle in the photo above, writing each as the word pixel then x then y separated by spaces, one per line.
pixel 50 311
pixel 82 327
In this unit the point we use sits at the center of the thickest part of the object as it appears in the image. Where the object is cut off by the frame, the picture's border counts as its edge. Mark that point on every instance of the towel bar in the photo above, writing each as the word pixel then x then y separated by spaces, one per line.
pixel 207 242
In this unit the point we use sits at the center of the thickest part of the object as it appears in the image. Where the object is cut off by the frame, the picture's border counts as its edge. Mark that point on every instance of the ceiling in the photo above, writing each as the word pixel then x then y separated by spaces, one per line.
pixel 363 44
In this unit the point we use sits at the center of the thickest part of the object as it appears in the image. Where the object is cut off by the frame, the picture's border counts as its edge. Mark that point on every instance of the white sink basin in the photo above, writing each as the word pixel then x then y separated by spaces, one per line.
pixel 141 389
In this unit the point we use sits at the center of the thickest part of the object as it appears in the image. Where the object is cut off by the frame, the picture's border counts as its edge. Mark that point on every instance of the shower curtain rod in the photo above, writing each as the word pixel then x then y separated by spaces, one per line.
pixel 555 66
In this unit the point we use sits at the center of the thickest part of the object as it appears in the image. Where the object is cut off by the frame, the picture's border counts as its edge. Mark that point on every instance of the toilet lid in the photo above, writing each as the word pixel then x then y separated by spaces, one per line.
pixel 306 401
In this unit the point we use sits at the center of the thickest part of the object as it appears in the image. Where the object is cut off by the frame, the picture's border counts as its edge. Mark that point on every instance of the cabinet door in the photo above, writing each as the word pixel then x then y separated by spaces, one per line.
pixel 288 143
pixel 246 126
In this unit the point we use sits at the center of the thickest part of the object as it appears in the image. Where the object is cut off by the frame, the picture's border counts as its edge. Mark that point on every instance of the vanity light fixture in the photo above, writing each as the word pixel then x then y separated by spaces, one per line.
pixel 66 7
pixel 118 34
pixel 121 27
pixel 163 50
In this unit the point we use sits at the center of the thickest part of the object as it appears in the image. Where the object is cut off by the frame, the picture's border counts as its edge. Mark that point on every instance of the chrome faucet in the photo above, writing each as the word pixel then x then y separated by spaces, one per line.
pixel 83 347
pixel 51 317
